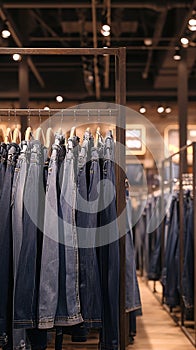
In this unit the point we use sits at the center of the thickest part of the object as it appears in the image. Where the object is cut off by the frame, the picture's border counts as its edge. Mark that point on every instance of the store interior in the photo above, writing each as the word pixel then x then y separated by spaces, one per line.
pixel 54 81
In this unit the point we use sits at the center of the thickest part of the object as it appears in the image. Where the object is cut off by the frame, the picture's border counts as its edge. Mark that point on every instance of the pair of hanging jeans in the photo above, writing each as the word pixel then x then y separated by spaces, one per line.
pixel 108 252
pixel 27 277
pixel 171 258
pixel 87 215
pixel 6 255
pixel 133 301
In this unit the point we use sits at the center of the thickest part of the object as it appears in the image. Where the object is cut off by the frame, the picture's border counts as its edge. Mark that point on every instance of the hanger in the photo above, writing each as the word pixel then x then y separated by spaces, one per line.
pixel 28 134
pixel 72 132
pixel 8 135
pixel 16 135
pixel 39 135
pixel 49 140
pixel 2 136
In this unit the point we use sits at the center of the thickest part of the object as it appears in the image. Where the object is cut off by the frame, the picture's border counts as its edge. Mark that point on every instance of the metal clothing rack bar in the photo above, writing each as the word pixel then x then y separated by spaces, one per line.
pixel 120 99
pixel 64 112
pixel 181 153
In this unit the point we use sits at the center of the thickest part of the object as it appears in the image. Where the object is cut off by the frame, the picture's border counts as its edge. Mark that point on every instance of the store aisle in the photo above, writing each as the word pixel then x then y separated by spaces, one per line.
pixel 155 329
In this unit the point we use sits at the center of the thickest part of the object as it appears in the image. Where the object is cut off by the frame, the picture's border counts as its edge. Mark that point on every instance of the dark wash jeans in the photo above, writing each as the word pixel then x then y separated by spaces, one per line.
pixel 90 289
pixel 6 256
pixel 108 254
pixel 27 277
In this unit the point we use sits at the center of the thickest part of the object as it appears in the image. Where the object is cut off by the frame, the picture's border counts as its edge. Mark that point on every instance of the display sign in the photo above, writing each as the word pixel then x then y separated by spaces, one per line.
pixel 135 139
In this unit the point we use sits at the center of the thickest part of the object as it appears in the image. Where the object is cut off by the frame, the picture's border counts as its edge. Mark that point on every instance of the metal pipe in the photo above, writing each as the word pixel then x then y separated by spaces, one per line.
pixel 62 112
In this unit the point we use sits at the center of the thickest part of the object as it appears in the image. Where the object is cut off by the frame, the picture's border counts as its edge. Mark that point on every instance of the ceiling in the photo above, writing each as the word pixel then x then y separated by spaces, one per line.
pixel 151 70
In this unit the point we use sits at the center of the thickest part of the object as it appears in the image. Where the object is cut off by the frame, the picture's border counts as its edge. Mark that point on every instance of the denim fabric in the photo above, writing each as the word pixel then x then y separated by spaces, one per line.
pixel 27 278
pixel 6 256
pixel 139 239
pixel 3 160
pixel 171 259
pixel 188 267
pixel 90 290
pixel 37 339
pixel 49 278
pixel 133 301
pixel 68 308
pixel 109 254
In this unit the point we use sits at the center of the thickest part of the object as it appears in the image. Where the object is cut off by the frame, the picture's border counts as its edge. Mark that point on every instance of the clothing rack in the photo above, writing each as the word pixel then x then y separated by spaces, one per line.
pixel 120 99
pixel 170 183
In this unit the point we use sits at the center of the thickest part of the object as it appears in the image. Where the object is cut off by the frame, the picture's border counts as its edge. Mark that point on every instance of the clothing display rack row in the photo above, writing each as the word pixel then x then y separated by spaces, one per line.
pixel 169 187
pixel 120 100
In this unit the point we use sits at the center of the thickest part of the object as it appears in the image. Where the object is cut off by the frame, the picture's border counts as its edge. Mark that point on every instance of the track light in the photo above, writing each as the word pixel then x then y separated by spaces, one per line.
pixel 17 57
pixel 5 33
pixel 105 32
pixel 168 110
pixel 142 110
pixel 46 108
pixel 177 55
pixel 192 22
pixel 148 41
pixel 59 98
pixel 160 109
pixel 184 41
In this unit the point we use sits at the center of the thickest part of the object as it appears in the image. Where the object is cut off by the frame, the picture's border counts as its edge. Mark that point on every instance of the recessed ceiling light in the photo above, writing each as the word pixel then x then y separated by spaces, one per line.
pixel 168 110
pixel 106 27
pixel 148 41
pixel 59 98
pixel 184 41
pixel 5 33
pixel 160 109
pixel 17 57
pixel 142 110
pixel 46 108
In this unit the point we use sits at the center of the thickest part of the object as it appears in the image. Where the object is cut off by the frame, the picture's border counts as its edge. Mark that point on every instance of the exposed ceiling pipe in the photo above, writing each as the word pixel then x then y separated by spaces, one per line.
pixel 96 70
pixel 134 5
pixel 155 40
pixel 7 19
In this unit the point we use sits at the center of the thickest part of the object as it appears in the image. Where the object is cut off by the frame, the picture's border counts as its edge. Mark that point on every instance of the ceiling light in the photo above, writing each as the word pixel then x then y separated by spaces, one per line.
pixel 148 41
pixel 59 98
pixel 168 110
pixel 142 110
pixel 160 109
pixel 105 32
pixel 46 108
pixel 5 33
pixel 192 22
pixel 184 41
pixel 177 56
pixel 106 27
pixel 17 57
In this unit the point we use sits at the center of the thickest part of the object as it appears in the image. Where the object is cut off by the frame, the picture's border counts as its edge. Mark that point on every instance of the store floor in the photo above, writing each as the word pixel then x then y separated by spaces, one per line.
pixel 155 329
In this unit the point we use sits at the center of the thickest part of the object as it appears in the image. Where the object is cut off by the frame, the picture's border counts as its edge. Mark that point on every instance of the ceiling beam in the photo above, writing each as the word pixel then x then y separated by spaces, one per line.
pixel 8 20
pixel 78 5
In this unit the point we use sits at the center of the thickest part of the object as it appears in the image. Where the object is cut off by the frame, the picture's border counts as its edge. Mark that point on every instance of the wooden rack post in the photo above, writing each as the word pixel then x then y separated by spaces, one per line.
pixel 120 99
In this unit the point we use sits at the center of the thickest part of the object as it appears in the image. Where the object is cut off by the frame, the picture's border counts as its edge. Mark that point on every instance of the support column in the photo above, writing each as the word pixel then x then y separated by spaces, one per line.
pixel 23 77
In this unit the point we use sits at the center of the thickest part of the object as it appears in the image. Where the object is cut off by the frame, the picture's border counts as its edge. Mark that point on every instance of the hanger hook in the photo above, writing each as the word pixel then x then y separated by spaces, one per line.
pixel 74 115
pixel 9 115
pixel 98 116
pixel 29 117
pixel 40 119
pixel 62 117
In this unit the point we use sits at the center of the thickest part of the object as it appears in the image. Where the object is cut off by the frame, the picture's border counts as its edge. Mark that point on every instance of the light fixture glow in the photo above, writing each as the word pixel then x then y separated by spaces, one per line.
pixel 142 110
pixel 192 28
pixel 177 55
pixel 168 110
pixel 106 27
pixel 46 108
pixel 5 33
pixel 105 33
pixel 17 57
pixel 59 98
pixel 184 41
pixel 148 41
pixel 160 109
pixel 192 22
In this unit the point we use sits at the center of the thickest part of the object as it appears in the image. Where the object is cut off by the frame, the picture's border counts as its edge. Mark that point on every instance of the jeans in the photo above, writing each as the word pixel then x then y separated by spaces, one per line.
pixel 108 253
pixel 171 259
pixel 27 277
pixel 6 256
pixel 68 307
pixel 87 204
pixel 3 160
pixel 133 301
pixel 49 278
